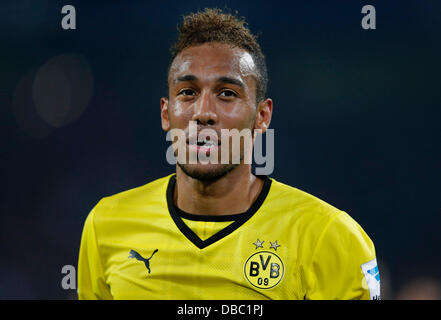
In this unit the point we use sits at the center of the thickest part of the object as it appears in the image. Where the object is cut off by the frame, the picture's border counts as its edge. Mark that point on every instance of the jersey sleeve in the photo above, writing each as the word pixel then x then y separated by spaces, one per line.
pixel 91 280
pixel 343 265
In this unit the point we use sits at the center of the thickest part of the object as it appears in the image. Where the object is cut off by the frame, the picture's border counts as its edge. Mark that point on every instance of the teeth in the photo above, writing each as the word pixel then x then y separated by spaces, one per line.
pixel 204 143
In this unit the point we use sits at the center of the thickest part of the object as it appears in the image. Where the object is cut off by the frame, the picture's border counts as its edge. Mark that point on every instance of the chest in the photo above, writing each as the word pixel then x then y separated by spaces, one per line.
pixel 246 263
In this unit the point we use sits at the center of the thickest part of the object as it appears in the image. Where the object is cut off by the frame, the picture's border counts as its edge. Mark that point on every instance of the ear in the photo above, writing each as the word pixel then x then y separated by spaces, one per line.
pixel 165 122
pixel 263 116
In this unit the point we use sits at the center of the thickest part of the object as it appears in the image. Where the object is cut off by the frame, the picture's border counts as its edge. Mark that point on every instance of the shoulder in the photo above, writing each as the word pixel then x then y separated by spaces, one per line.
pixel 151 193
pixel 314 218
pixel 345 232
pixel 300 203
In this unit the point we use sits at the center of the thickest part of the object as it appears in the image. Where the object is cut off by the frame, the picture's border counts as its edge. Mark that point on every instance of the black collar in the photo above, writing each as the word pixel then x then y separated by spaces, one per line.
pixel 238 219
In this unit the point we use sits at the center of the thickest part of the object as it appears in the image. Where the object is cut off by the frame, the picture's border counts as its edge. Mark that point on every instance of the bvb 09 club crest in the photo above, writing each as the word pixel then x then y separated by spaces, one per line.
pixel 264 269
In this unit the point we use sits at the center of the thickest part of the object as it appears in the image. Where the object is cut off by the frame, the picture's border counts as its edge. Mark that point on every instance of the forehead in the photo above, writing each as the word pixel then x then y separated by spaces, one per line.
pixel 211 60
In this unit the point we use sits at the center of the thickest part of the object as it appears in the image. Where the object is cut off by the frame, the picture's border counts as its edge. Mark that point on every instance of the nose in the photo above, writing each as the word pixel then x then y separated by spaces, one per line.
pixel 205 110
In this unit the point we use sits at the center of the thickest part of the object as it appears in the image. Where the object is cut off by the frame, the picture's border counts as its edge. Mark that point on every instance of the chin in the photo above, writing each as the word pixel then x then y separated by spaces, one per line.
pixel 207 172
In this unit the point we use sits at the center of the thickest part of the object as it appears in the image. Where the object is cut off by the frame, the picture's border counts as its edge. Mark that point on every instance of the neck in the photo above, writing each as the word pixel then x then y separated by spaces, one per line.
pixel 234 193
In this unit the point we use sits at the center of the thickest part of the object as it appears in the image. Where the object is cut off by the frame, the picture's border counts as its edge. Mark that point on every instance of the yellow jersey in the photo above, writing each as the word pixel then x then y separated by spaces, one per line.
pixel 289 245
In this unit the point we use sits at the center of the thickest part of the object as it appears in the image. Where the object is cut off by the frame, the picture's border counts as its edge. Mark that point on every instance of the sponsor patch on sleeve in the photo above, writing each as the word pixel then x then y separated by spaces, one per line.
pixel 372 276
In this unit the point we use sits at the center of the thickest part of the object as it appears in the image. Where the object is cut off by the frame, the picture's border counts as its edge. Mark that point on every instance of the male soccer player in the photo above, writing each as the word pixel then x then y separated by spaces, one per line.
pixel 215 230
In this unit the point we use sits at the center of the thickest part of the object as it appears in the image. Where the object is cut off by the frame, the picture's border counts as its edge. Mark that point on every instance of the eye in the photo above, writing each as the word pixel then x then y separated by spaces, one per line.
pixel 187 92
pixel 228 93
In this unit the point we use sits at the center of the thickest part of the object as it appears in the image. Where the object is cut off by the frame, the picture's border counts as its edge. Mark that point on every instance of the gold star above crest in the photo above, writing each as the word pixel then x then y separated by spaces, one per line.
pixel 258 244
pixel 274 245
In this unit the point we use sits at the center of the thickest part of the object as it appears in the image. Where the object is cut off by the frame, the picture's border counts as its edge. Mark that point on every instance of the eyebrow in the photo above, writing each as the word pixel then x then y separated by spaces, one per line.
pixel 229 80
pixel 190 78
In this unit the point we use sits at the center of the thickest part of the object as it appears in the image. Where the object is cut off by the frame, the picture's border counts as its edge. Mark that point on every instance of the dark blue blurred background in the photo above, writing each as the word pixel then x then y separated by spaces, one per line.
pixel 356 119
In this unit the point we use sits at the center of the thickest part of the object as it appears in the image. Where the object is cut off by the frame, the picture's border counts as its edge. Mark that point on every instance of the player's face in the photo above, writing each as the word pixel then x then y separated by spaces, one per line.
pixel 215 86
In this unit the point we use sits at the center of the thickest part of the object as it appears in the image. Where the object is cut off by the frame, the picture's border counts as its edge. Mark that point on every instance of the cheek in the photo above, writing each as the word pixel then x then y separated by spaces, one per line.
pixel 179 114
pixel 239 116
